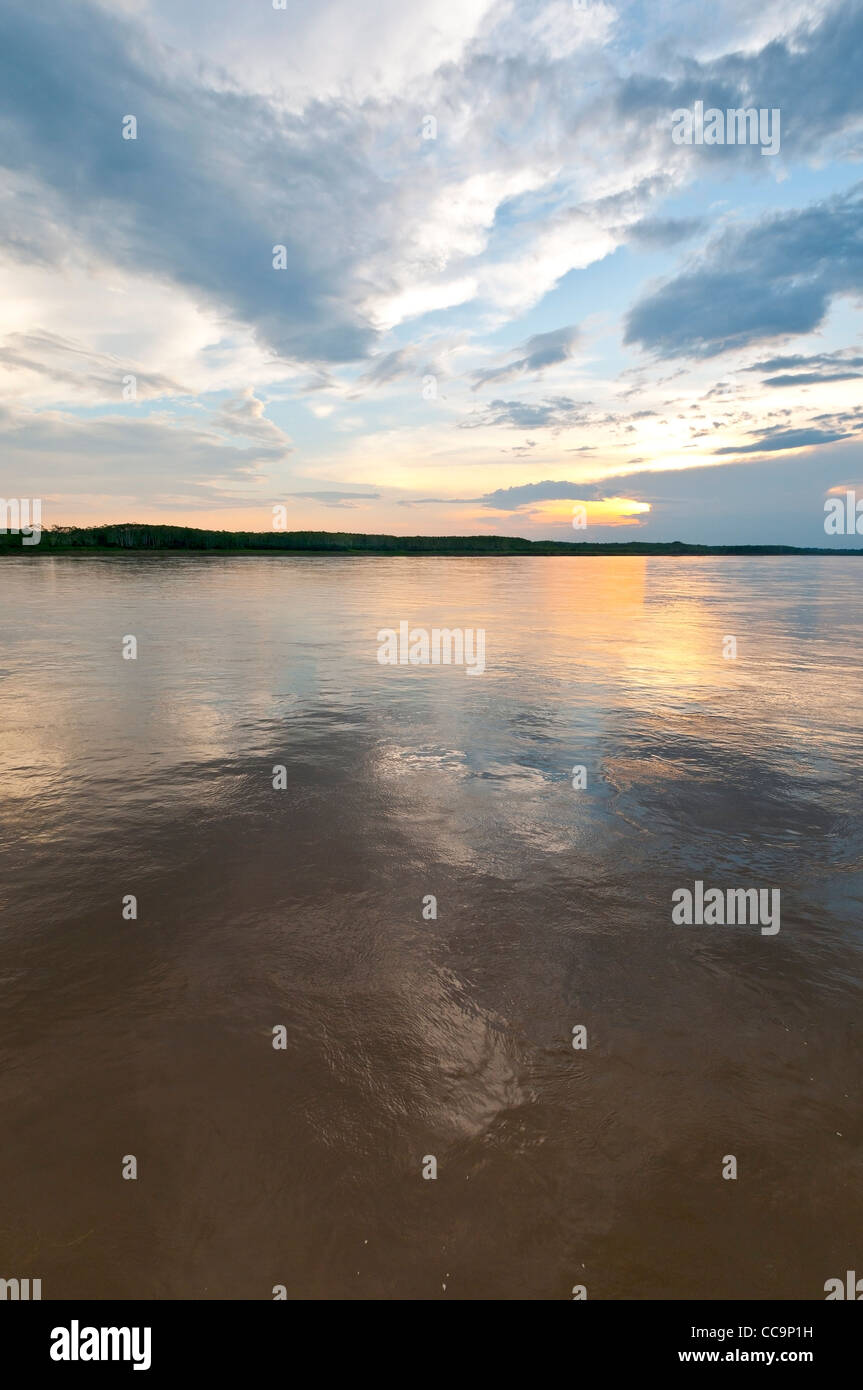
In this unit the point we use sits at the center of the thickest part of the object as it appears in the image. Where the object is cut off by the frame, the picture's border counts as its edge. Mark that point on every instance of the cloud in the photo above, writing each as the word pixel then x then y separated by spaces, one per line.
pixel 243 414
pixel 389 366
pixel 822 366
pixel 770 443
pixel 400 363
pixel 75 370
pixel 820 359
pixel 237 176
pixel 512 498
pixel 540 351
pixel 302 53
pixel 219 175
pixel 146 458
pixel 811 73
pixel 337 499
pixel 242 171
pixel 807 378
pixel 769 279
pixel 658 233
pixel 561 412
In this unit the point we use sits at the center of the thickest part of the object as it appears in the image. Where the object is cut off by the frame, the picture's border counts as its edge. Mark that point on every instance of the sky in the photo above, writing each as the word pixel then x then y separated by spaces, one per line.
pixel 437 268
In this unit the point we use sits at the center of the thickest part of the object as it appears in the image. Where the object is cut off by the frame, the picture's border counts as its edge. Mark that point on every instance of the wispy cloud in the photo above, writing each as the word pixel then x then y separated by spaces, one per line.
pixel 538 352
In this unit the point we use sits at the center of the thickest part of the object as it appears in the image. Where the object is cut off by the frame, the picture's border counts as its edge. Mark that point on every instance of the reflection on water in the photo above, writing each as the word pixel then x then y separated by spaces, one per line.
pixel 405 1036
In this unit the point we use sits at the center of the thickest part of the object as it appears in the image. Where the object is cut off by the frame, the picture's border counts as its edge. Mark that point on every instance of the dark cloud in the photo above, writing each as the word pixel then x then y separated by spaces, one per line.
pixel 812 76
pixel 838 419
pixel 214 180
pixel 843 357
pixel 512 498
pixel 541 351
pixel 808 378
pixel 822 366
pixel 771 443
pixel 770 279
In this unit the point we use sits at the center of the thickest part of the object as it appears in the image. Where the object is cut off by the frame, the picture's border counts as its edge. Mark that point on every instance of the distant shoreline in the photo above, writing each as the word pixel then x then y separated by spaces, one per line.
pixel 156 540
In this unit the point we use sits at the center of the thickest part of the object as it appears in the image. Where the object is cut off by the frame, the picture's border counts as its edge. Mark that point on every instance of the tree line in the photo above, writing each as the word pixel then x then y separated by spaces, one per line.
pixel 147 537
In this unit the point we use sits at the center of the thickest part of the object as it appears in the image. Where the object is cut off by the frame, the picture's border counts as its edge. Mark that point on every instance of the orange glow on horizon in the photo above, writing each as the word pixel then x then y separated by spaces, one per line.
pixel 610 511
